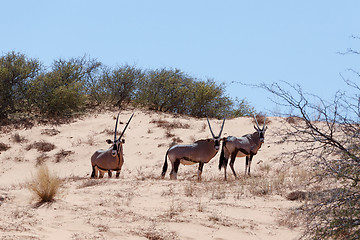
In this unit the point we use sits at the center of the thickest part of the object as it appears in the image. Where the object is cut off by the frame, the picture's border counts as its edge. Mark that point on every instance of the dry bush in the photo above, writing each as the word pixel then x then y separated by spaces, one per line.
pixel 50 131
pixel 218 192
pixel 154 233
pixel 260 186
pixel 297 195
pixel 44 185
pixel 41 159
pixel 264 167
pixel 189 190
pixel 293 120
pixel 177 140
pixel 110 132
pixel 4 147
pixel 174 209
pixel 41 146
pixel 144 173
pixel 260 117
pixel 169 192
pixel 170 125
pixel 291 219
pixel 161 145
pixel 89 183
pixel 17 138
pixel 62 154
pixel 169 134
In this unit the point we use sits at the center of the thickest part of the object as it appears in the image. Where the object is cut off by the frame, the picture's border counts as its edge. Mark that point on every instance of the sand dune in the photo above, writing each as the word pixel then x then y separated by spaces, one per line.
pixel 141 205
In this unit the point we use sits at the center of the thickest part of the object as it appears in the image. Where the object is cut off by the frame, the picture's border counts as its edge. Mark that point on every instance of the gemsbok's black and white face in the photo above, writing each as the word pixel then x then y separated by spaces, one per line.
pixel 217 138
pixel 261 131
pixel 217 143
pixel 117 146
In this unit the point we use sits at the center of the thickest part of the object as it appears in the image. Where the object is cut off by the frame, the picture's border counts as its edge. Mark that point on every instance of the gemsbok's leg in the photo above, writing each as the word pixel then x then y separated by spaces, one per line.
pixel 201 165
pixel 232 161
pixel 225 162
pixel 250 160
pixel 101 174
pixel 174 170
pixel 94 172
pixel 246 164
pixel 109 173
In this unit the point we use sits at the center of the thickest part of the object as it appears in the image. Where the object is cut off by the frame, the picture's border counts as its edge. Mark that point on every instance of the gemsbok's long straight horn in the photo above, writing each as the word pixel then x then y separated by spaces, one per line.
pixel 127 124
pixel 257 124
pixel 212 133
pixel 116 124
pixel 222 127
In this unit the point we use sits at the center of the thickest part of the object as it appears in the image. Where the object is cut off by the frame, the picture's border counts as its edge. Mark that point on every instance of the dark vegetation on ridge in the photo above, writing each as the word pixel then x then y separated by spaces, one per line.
pixel 28 90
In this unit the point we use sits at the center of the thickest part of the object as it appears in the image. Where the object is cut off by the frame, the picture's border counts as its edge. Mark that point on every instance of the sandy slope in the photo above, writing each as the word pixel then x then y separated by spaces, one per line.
pixel 140 205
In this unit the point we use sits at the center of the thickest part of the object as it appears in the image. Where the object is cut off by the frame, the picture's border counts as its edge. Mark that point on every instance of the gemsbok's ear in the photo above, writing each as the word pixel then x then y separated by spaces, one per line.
pixel 109 141
pixel 123 140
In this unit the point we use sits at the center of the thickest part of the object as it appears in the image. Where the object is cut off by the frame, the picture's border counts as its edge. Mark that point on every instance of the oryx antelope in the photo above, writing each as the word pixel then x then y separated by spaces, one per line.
pixel 200 152
pixel 111 159
pixel 245 146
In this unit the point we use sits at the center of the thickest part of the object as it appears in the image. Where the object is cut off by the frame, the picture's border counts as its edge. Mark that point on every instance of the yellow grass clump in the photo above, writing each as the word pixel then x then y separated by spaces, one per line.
pixel 44 185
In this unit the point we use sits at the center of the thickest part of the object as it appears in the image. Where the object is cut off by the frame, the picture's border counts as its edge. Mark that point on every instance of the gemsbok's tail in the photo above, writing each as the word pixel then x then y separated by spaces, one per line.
pixel 222 160
pixel 165 166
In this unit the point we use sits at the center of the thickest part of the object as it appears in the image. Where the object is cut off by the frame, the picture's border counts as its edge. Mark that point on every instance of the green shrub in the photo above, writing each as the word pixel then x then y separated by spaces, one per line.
pixel 61 91
pixel 173 91
pixel 16 71
pixel 74 85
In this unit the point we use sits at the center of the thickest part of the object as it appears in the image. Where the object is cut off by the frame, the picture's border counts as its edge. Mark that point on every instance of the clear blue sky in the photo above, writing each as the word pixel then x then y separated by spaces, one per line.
pixel 247 41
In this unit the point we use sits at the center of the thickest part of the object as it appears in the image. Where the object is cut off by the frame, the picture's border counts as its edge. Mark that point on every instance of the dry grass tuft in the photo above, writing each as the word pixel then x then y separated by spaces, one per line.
pixel 41 146
pixel 44 185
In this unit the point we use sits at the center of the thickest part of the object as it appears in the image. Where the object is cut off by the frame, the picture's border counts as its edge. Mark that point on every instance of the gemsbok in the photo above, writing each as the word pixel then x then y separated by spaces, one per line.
pixel 245 146
pixel 200 152
pixel 111 159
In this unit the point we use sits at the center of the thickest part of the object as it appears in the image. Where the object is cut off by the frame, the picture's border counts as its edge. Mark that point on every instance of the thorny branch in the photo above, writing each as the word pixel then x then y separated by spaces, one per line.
pixel 328 134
